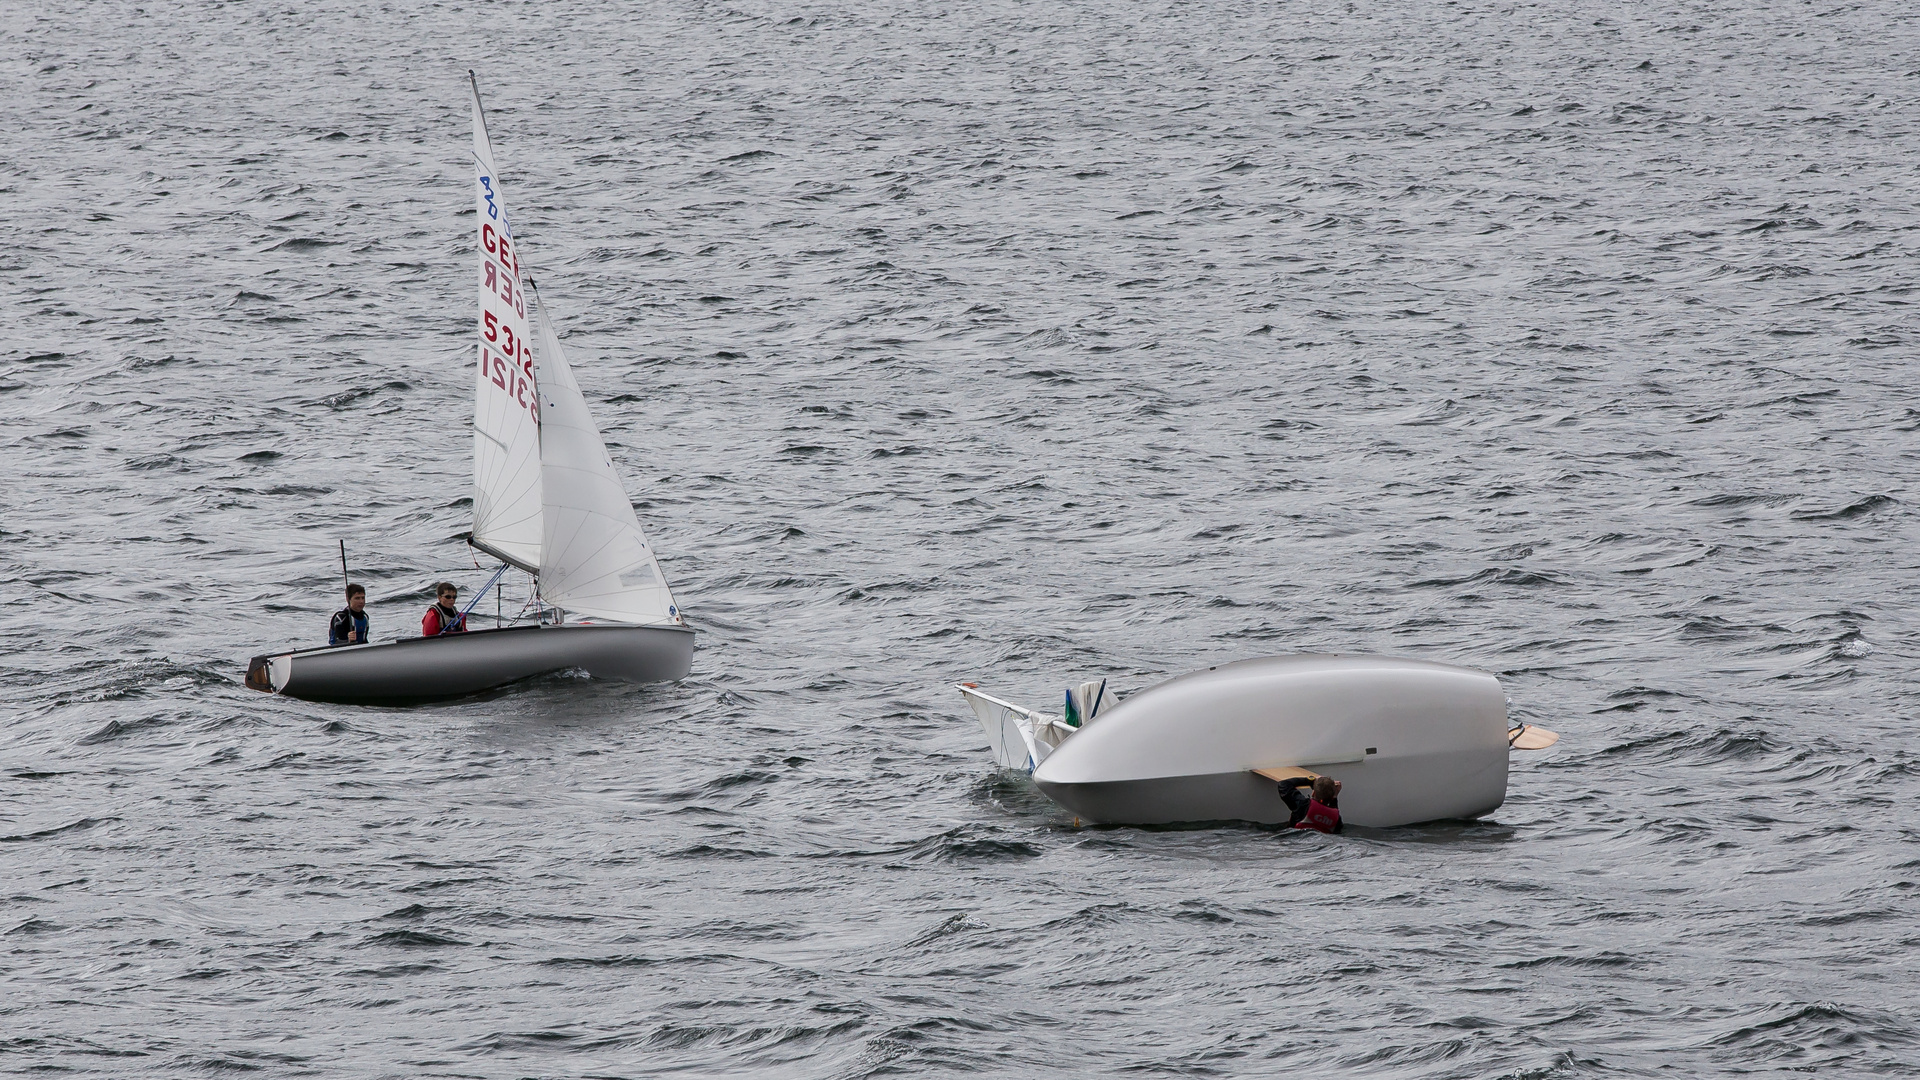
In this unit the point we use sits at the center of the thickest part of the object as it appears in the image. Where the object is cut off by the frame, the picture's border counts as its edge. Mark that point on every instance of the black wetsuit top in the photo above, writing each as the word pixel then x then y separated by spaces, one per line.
pixel 347 621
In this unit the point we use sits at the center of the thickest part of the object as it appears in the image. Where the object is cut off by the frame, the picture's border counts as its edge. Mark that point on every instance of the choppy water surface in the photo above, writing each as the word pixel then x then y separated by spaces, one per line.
pixel 1021 343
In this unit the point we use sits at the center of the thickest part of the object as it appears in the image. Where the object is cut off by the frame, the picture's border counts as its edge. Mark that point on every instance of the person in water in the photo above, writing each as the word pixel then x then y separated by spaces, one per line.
pixel 1320 810
pixel 349 626
pixel 444 617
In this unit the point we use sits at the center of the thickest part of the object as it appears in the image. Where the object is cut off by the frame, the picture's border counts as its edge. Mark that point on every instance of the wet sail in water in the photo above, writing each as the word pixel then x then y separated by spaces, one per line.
pixel 546 499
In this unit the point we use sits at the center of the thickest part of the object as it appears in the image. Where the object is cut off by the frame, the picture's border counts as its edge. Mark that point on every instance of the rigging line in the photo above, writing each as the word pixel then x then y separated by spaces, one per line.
pixel 477 596
pixel 479 111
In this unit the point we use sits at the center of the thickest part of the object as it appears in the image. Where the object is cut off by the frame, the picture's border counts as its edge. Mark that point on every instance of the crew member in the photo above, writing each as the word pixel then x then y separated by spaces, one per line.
pixel 1320 810
pixel 444 617
pixel 349 626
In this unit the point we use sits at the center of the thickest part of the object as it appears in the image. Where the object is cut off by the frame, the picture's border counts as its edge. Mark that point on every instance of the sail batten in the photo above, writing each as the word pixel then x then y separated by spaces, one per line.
pixel 507 517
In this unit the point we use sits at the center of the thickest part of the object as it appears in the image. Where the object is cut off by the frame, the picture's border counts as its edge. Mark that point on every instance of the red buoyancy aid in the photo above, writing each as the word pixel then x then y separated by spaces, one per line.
pixel 434 623
pixel 1320 816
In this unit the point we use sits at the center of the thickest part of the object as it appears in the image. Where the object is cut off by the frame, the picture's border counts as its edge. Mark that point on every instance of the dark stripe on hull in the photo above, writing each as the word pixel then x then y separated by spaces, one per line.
pixel 1234 796
pixel 1244 796
pixel 425 669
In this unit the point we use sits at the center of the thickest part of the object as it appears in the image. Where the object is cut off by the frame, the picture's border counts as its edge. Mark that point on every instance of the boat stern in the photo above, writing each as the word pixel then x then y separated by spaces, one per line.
pixel 269 674
pixel 257 677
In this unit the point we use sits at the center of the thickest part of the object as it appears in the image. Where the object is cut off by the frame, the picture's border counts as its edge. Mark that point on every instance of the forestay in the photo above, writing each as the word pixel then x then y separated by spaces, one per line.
pixel 595 561
pixel 506 427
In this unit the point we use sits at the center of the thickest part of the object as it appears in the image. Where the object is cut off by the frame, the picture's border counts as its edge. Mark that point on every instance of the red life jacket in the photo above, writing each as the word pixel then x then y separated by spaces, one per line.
pixel 432 622
pixel 1320 816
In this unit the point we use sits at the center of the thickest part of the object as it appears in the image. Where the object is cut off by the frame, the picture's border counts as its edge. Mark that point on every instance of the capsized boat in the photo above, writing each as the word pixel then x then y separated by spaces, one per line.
pixel 1410 741
pixel 546 499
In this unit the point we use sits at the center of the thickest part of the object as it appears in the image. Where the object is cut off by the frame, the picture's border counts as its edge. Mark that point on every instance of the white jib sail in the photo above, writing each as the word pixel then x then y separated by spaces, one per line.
pixel 506 409
pixel 594 561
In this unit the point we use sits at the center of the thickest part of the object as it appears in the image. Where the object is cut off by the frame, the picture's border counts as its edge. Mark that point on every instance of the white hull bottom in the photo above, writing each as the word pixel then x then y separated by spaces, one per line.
pixel 425 669
pixel 1411 740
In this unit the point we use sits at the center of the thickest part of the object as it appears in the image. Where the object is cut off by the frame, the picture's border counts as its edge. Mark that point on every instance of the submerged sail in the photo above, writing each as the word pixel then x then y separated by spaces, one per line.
pixel 506 428
pixel 594 559
pixel 1019 738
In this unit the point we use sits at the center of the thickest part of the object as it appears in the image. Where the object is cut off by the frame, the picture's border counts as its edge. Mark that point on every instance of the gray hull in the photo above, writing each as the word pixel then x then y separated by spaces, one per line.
pixel 1245 796
pixel 424 669
pixel 1234 796
pixel 1410 740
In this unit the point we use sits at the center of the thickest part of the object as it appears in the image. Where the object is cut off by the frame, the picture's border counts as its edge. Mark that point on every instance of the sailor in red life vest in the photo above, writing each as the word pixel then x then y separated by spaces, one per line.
pixel 444 617
pixel 1319 811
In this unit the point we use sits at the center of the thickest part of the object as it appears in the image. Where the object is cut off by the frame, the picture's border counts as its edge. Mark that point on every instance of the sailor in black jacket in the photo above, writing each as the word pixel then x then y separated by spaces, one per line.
pixel 349 626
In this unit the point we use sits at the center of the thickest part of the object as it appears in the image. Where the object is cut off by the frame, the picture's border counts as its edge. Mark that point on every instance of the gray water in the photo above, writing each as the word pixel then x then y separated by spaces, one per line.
pixel 1018 343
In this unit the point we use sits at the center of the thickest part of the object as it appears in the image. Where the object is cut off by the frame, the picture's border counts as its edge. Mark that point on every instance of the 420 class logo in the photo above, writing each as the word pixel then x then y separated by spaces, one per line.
pixel 486 188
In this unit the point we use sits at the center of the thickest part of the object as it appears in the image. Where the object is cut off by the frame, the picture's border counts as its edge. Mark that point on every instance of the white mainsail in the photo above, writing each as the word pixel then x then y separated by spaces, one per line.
pixel 506 410
pixel 594 559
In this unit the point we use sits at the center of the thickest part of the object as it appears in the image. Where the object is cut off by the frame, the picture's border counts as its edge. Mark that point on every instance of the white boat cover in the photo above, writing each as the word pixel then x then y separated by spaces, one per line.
pixel 506 423
pixel 594 559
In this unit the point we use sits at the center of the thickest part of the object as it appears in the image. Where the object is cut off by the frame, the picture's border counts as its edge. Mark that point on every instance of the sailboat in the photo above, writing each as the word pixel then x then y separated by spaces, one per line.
pixel 546 500
pixel 1411 740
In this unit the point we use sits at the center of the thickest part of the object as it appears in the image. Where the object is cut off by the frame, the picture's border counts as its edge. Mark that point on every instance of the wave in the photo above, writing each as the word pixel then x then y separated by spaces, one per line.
pixel 59 830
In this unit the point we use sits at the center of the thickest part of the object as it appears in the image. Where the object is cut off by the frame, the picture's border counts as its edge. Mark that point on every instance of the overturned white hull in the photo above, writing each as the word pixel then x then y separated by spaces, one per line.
pixel 425 669
pixel 1410 740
